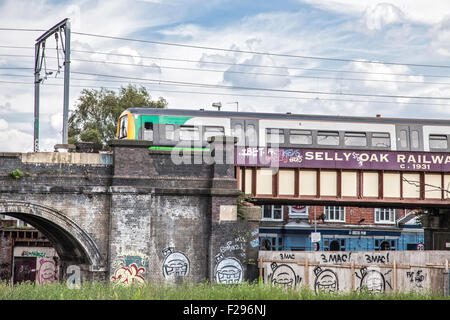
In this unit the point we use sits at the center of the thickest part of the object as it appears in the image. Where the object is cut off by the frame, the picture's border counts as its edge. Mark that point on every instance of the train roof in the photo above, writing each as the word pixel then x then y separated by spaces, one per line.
pixel 281 116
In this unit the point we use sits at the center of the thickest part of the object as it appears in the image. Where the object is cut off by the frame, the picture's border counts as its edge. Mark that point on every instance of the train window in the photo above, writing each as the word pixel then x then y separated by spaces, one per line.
pixel 414 139
pixel 170 132
pixel 403 139
pixel 252 135
pixel 330 138
pixel 148 131
pixel 212 131
pixel 300 137
pixel 438 141
pixel 381 140
pixel 275 136
pixel 238 131
pixel 357 139
pixel 123 127
pixel 189 133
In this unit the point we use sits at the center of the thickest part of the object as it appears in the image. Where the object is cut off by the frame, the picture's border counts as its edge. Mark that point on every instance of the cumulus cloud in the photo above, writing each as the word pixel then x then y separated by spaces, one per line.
pixel 383 14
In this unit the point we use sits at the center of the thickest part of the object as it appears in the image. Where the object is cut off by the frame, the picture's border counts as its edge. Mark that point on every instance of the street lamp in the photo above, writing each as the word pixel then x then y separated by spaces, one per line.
pixel 217 105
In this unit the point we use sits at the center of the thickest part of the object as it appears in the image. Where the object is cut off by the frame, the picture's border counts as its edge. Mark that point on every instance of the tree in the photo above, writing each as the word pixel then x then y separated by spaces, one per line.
pixel 97 112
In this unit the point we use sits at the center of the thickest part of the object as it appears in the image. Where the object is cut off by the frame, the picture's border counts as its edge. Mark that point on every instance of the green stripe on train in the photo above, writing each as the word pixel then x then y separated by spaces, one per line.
pixel 157 119
pixel 179 148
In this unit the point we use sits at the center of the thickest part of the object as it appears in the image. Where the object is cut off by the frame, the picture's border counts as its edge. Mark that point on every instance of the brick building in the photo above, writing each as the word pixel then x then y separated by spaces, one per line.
pixel 286 227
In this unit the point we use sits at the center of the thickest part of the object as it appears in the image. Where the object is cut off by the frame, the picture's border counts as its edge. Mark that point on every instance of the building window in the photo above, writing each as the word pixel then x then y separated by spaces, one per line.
pixel 298 211
pixel 334 214
pixel 272 212
pixel 384 215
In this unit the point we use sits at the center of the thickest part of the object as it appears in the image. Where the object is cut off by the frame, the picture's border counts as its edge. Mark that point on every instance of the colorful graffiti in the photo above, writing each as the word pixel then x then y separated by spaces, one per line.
pixel 130 267
pixel 47 271
pixel 128 275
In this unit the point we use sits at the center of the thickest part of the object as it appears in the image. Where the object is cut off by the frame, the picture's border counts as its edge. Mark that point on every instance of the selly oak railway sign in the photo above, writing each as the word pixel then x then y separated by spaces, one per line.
pixel 343 159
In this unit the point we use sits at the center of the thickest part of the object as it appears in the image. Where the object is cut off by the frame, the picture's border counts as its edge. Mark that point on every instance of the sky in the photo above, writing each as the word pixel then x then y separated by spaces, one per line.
pixel 333 57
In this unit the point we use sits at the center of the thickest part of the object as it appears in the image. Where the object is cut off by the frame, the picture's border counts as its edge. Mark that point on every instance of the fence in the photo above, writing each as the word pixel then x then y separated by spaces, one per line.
pixel 374 271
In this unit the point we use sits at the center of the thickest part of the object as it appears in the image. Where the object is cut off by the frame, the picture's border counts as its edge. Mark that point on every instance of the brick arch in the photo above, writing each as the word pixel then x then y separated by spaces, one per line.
pixel 73 244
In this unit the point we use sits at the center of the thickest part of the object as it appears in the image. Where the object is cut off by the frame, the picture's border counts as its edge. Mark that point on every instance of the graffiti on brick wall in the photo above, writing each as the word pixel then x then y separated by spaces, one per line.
pixel 326 280
pixel 255 239
pixel 26 253
pixel 130 267
pixel 374 280
pixel 228 270
pixel 73 277
pixel 128 275
pixel 47 271
pixel 176 263
pixel 283 275
pixel 236 246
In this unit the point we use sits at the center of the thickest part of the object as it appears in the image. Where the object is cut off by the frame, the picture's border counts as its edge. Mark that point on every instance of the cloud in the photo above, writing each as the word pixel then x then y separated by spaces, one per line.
pixel 417 11
pixel 383 14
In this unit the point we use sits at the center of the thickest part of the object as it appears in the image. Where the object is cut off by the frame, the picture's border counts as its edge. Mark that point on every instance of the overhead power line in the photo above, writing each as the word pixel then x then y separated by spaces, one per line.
pixel 264 89
pixel 259 52
pixel 238 72
pixel 233 64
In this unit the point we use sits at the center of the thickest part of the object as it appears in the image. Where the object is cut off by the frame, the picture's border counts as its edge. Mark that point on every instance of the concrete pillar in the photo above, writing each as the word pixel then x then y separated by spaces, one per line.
pixel 437 229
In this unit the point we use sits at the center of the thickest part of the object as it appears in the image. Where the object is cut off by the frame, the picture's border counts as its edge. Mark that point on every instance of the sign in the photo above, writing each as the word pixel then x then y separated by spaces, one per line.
pixel 447 244
pixel 315 236
pixel 343 159
pixel 420 246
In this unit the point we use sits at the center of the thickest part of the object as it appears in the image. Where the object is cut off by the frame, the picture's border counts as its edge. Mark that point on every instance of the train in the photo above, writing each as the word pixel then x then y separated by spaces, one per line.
pixel 184 127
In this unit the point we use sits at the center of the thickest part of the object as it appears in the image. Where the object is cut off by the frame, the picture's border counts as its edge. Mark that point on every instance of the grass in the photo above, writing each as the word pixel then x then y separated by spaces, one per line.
pixel 188 291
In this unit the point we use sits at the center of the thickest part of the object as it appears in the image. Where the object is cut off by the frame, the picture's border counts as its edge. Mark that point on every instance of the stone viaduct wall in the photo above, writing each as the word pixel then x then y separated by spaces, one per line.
pixel 138 217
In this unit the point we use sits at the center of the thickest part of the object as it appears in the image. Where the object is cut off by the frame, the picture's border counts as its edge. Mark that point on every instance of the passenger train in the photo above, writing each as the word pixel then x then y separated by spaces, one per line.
pixel 175 127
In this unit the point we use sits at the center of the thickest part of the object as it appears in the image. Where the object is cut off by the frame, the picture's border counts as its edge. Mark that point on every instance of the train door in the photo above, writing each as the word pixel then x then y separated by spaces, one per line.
pixel 246 131
pixel 409 137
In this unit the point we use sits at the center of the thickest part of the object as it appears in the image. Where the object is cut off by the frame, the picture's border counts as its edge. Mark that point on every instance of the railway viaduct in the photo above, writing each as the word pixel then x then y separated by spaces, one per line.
pixel 138 214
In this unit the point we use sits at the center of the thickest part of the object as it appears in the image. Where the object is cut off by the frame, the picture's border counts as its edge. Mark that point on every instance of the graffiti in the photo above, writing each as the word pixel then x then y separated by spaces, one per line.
pixel 357 157
pixel 228 270
pixel 287 256
pixel 47 271
pixel 238 244
pixel 127 276
pixel 175 264
pixel 336 257
pixel 74 277
pixel 373 280
pixel 284 276
pixel 129 267
pixel 416 278
pixel 33 254
pixel 326 280
pixel 255 242
pixel 374 258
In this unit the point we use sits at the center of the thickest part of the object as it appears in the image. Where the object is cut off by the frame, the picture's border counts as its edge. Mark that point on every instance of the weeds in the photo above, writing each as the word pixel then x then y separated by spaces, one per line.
pixel 188 291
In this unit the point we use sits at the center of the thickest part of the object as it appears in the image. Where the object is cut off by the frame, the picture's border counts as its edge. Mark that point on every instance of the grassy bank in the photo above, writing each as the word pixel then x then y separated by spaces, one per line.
pixel 245 291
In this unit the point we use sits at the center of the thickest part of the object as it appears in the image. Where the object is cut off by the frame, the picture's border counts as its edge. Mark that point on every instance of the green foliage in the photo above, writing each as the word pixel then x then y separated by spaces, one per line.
pixel 97 112
pixel 242 202
pixel 16 174
pixel 189 291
